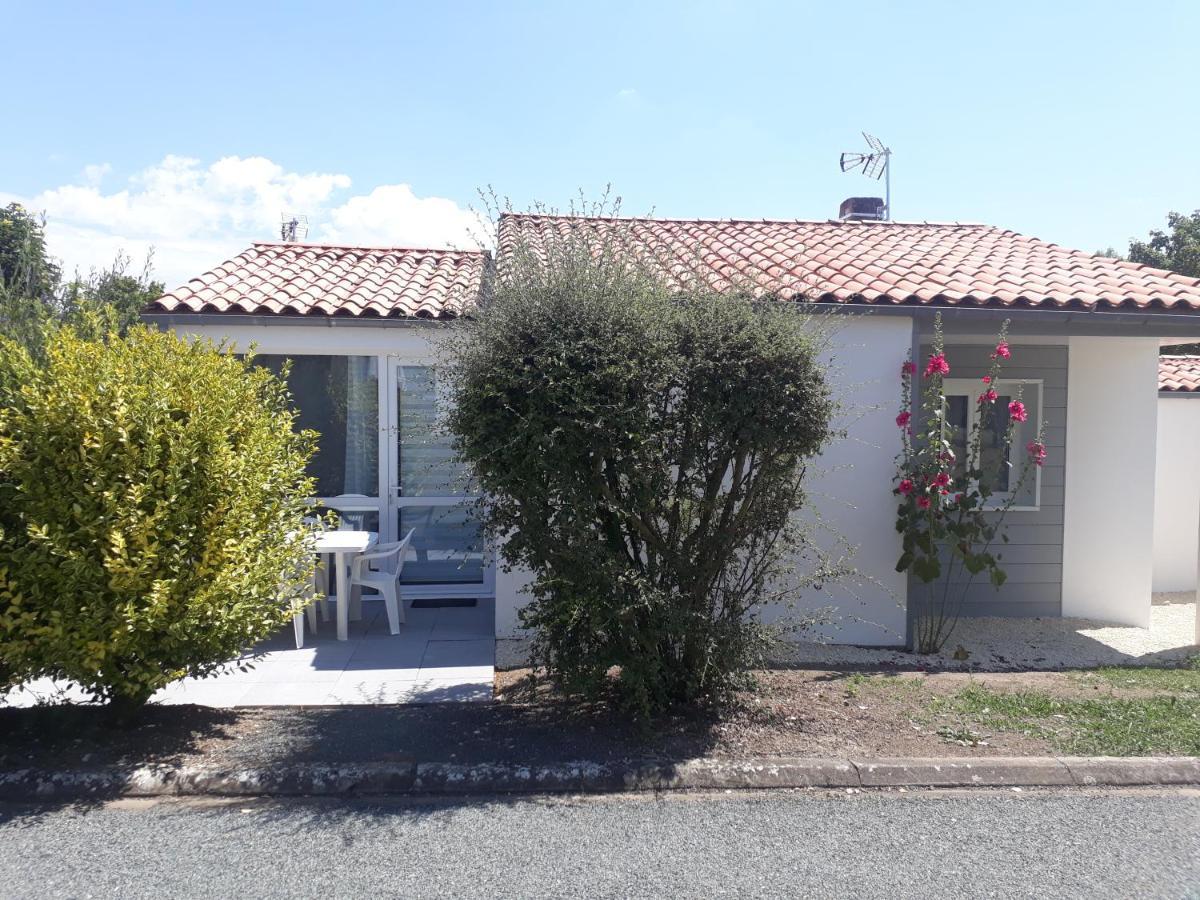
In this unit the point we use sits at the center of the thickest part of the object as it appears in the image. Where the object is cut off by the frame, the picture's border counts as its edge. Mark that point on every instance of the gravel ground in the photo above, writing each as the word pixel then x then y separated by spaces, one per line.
pixel 1006 644
pixel 1003 644
pixel 1030 844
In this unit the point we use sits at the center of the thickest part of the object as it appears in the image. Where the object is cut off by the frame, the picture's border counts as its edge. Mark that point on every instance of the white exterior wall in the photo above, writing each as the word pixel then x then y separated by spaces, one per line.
pixel 1108 524
pixel 851 485
pixel 1177 493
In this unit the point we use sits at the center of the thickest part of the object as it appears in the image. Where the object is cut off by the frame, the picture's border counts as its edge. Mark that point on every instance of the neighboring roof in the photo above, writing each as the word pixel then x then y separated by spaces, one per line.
pixel 1178 374
pixel 927 263
pixel 328 280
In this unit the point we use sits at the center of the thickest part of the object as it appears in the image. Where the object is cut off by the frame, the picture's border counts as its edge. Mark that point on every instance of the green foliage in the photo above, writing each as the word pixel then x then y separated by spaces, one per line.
pixel 945 515
pixel 34 300
pixel 25 268
pixel 148 486
pixel 109 301
pixel 643 452
pixel 1105 725
pixel 1177 249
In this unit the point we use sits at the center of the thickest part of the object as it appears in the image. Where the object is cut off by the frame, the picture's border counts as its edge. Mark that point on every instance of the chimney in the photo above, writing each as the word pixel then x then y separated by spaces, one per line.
pixel 863 209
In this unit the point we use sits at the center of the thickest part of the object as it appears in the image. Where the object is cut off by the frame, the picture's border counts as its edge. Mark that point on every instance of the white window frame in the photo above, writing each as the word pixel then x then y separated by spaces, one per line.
pixel 971 388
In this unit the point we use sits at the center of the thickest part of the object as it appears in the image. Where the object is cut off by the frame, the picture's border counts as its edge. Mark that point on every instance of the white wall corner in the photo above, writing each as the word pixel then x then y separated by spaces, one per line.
pixel 1177 494
pixel 1108 524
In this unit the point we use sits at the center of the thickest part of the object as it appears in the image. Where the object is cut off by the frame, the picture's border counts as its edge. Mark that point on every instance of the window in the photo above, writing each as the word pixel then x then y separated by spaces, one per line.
pixel 337 396
pixel 962 412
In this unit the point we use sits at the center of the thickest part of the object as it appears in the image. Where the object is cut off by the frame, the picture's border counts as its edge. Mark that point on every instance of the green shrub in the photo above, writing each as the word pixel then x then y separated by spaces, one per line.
pixel 147 489
pixel 642 450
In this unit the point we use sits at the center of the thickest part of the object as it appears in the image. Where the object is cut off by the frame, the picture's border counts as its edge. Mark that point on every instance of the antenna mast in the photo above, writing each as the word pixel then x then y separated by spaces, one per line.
pixel 292 227
pixel 876 164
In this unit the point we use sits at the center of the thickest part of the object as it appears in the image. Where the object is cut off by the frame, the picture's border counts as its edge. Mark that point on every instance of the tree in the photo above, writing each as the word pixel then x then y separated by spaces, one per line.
pixel 111 299
pixel 643 452
pixel 1177 249
pixel 25 268
pixel 34 298
pixel 152 492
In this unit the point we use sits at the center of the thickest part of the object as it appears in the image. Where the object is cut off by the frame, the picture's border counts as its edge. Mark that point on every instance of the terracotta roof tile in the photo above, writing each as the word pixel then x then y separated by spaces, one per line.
pixel 1179 374
pixel 326 280
pixel 875 262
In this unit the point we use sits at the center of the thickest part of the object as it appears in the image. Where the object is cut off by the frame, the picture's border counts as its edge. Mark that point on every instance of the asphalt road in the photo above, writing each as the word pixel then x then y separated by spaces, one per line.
pixel 999 844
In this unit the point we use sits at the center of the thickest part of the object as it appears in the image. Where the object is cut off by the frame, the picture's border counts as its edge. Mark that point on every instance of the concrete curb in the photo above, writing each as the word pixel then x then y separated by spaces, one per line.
pixel 431 779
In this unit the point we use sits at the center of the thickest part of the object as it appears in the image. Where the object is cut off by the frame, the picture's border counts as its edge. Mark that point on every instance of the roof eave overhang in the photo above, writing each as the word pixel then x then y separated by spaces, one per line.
pixel 1145 323
pixel 176 319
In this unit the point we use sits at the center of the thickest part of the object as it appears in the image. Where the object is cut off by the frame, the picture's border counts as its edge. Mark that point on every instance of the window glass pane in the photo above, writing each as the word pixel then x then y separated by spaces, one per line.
pixel 992 456
pixel 357 519
pixel 337 396
pixel 446 547
pixel 428 465
pixel 1026 492
pixel 957 411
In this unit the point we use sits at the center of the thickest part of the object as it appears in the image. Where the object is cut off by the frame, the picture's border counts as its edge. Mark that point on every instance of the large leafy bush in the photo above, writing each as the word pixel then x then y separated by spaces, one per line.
pixel 642 450
pixel 148 487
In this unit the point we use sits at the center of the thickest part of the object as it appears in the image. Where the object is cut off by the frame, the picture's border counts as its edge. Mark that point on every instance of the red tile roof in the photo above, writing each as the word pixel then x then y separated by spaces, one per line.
pixel 874 262
pixel 327 280
pixel 1179 374
pixel 833 262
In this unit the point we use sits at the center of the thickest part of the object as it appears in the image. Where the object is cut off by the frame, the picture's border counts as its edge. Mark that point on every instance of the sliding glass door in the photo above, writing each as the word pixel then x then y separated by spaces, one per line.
pixel 339 397
pixel 430 492
pixel 384 464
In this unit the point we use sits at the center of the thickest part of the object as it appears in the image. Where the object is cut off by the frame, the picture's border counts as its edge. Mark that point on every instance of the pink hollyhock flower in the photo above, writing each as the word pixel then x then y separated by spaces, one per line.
pixel 1002 351
pixel 923 502
pixel 987 379
pixel 988 396
pixel 941 480
pixel 937 364
pixel 1016 411
pixel 909 368
pixel 902 420
pixel 905 487
pixel 1037 452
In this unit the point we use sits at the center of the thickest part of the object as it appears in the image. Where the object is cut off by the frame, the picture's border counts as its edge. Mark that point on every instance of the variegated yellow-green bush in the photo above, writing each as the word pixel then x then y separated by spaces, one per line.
pixel 151 492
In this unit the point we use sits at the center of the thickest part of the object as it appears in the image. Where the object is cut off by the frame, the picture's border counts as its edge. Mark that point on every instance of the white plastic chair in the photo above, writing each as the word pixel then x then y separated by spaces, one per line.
pixel 380 568
pixel 311 591
pixel 320 575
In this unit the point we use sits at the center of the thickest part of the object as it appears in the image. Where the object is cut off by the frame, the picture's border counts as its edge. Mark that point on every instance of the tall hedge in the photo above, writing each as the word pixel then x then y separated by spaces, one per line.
pixel 642 449
pixel 148 487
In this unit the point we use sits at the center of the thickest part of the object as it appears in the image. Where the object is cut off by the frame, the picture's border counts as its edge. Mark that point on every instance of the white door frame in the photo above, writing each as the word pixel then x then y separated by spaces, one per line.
pixel 390 488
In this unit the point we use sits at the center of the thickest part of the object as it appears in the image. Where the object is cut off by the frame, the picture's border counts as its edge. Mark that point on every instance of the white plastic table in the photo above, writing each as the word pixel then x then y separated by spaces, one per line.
pixel 343 545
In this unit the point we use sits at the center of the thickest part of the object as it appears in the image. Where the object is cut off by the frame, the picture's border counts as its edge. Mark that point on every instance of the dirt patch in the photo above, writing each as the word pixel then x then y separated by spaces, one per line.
pixel 794 713
pixel 833 713
pixel 815 713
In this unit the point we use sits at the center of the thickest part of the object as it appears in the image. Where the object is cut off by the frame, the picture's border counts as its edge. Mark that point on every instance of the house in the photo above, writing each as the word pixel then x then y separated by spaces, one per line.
pixel 1176 474
pixel 362 326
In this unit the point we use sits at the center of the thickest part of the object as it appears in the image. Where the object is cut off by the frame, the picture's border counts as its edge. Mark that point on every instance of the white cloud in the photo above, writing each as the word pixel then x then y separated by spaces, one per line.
pixel 393 214
pixel 94 174
pixel 194 216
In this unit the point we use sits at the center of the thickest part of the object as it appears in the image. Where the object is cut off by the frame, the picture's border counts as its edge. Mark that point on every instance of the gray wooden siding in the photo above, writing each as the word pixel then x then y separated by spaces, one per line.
pixel 1033 557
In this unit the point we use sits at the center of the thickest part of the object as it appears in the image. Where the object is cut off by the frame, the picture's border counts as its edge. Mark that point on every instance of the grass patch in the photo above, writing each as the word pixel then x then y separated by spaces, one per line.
pixel 1184 681
pixel 1105 726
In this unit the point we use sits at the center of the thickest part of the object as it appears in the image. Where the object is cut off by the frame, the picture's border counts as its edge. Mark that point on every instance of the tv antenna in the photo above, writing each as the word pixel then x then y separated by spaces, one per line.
pixel 292 228
pixel 876 164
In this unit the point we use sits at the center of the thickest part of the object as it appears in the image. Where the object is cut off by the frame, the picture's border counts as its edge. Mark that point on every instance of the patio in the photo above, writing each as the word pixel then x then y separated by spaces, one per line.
pixel 442 654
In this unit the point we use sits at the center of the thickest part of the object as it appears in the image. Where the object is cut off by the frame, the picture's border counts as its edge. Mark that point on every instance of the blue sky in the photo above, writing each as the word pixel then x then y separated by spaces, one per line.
pixel 190 127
